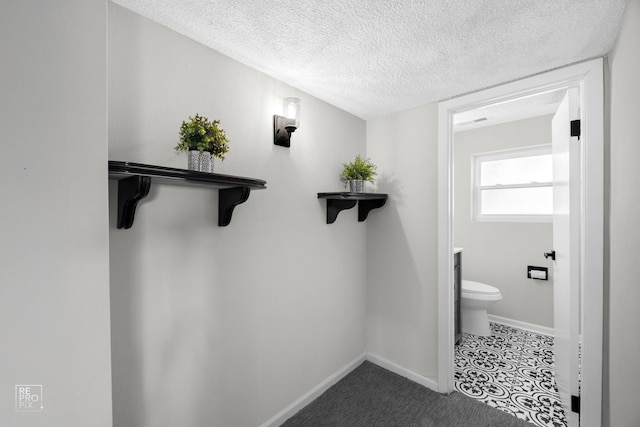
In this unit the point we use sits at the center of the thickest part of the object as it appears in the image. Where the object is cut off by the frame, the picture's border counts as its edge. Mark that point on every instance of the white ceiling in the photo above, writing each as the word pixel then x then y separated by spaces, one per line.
pixel 372 58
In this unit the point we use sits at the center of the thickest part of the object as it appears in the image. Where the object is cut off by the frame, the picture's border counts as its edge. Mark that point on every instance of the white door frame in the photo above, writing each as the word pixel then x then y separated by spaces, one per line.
pixel 589 77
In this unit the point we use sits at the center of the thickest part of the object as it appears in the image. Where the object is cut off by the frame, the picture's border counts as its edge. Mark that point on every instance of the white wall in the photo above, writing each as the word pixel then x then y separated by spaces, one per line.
pixel 54 284
pixel 498 253
pixel 226 326
pixel 402 241
pixel 624 290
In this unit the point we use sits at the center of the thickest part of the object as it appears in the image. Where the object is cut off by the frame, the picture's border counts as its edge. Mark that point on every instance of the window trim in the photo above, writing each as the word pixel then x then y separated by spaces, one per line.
pixel 520 152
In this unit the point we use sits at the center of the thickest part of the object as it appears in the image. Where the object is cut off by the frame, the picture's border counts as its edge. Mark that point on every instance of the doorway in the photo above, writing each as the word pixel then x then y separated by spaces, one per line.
pixel 503 222
pixel 588 77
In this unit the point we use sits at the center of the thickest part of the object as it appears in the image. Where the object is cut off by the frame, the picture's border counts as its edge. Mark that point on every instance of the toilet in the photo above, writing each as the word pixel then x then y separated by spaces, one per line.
pixel 476 299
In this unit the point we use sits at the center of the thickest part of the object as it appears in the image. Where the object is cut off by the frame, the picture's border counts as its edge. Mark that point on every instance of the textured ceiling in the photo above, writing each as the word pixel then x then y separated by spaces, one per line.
pixel 372 58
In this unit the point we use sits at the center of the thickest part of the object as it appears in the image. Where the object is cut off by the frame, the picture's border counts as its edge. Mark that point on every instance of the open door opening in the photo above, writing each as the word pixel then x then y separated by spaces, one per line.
pixel 517 179
pixel 588 248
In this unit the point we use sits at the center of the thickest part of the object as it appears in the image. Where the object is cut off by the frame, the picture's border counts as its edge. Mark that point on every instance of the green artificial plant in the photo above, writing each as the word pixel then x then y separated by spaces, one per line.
pixel 360 168
pixel 203 135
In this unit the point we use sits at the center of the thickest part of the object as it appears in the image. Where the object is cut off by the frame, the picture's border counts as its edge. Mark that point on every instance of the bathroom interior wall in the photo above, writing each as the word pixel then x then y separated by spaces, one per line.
pixel 54 273
pixel 226 326
pixel 402 238
pixel 498 253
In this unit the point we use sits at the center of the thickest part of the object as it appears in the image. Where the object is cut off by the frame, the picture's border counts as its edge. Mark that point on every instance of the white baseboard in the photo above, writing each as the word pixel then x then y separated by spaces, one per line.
pixel 314 393
pixel 403 372
pixel 522 325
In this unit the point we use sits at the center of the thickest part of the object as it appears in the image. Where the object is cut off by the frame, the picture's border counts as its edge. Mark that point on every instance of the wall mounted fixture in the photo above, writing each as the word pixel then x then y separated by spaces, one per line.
pixel 539 273
pixel 283 126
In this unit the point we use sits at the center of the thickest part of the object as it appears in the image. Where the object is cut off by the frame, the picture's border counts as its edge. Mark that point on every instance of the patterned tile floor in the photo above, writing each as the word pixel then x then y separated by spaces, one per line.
pixel 512 370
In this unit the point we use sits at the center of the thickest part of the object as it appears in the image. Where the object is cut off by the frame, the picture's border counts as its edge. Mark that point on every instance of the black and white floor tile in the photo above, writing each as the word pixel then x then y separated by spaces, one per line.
pixel 512 370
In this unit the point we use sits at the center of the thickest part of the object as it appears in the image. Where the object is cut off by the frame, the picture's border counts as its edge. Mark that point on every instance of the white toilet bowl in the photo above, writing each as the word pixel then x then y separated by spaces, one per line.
pixel 476 299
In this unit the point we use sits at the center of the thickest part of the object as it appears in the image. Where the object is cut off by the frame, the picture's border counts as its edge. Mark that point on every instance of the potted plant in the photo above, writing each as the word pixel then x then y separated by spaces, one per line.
pixel 204 139
pixel 357 172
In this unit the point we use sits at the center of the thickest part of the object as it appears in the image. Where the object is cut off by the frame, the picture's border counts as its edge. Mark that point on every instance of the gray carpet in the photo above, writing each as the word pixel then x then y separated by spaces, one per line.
pixel 371 396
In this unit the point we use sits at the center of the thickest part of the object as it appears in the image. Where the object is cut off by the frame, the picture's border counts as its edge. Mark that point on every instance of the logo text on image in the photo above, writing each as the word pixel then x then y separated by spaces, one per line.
pixel 29 398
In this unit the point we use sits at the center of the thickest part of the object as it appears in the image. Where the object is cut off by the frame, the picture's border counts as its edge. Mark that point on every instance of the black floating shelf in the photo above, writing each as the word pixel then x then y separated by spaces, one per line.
pixel 366 202
pixel 134 182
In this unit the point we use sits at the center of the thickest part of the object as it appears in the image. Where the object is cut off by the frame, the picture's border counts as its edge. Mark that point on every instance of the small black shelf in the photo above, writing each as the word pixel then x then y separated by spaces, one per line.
pixel 134 182
pixel 366 202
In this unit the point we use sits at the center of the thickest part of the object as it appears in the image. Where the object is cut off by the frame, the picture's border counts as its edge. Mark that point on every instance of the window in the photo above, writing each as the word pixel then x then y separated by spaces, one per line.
pixel 513 185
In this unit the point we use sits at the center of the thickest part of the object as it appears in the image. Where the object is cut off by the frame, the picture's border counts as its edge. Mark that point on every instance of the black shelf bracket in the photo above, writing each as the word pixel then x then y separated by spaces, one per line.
pixel 130 191
pixel 334 206
pixel 366 206
pixel 337 202
pixel 228 199
pixel 134 182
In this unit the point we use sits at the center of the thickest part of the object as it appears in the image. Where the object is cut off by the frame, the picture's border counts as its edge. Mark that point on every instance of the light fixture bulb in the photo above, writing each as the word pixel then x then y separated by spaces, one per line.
pixel 285 125
pixel 291 110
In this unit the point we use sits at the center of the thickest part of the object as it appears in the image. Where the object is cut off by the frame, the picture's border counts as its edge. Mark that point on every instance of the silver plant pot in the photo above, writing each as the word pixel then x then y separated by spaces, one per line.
pixel 201 161
pixel 356 186
pixel 206 162
pixel 193 160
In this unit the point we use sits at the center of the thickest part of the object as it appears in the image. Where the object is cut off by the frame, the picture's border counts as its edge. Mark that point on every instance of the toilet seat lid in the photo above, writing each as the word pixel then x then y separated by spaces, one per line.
pixel 472 287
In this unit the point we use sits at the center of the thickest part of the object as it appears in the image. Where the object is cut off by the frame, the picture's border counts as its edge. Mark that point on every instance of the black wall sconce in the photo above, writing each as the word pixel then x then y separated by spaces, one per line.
pixel 284 126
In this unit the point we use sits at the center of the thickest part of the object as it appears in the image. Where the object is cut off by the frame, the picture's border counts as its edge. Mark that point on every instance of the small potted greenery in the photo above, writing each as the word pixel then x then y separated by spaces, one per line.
pixel 204 139
pixel 357 172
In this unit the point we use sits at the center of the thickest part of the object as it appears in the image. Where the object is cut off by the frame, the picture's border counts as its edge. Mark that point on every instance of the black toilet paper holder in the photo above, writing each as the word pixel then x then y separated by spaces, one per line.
pixel 544 270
